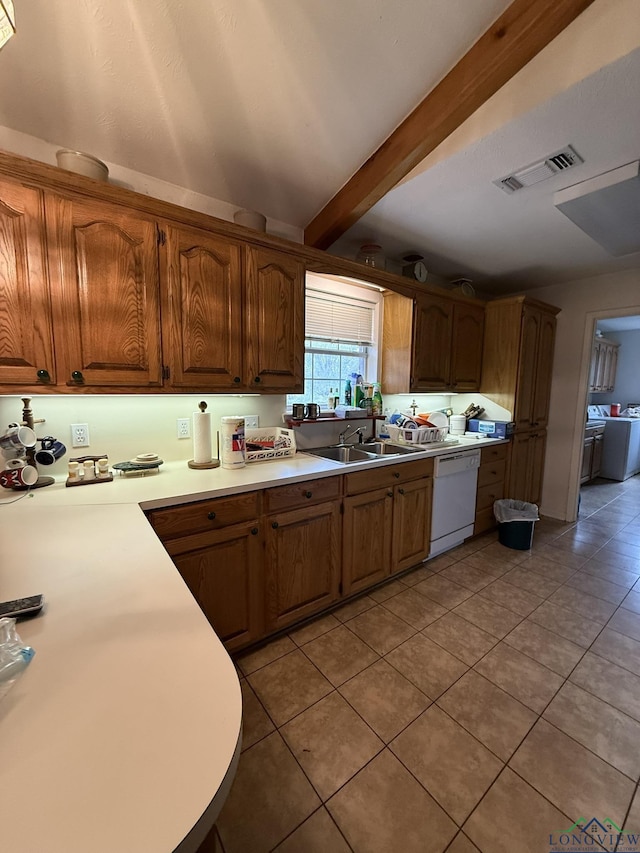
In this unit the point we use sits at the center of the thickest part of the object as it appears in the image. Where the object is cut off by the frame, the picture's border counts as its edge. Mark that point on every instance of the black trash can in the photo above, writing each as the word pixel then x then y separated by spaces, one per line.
pixel 515 523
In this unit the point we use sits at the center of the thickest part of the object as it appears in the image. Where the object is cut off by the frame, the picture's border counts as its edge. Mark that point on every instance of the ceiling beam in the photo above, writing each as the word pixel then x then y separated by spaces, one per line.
pixel 521 32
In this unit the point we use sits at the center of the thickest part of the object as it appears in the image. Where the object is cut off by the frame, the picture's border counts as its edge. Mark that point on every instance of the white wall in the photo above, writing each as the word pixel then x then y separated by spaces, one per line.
pixel 45 152
pixel 582 303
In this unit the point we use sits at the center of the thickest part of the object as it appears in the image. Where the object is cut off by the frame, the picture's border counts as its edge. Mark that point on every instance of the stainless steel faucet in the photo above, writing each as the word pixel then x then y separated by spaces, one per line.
pixel 346 434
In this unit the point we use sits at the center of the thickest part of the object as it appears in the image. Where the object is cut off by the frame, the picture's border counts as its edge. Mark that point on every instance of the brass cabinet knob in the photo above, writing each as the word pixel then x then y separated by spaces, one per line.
pixel 237 380
pixel 211 516
pixel 43 376
pixel 254 531
pixel 401 491
pixel 308 494
pixel 257 379
pixel 77 376
pixel 396 474
pixel 274 524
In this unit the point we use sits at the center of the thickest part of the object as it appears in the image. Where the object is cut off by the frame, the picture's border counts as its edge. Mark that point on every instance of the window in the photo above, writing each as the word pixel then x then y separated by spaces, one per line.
pixel 341 334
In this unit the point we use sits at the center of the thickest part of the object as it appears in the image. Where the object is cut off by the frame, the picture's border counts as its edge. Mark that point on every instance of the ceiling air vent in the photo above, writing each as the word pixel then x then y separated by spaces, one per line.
pixel 540 171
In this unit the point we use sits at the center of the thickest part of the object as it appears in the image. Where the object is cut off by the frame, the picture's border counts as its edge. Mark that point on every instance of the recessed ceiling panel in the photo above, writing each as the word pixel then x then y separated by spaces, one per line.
pixel 607 208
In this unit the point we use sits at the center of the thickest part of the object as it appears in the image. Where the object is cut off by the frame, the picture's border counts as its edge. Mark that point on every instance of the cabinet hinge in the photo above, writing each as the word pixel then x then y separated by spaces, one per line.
pixel 162 237
pixel 166 372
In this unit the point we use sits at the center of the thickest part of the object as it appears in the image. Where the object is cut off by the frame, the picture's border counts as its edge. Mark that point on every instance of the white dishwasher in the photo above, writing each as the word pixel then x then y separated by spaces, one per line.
pixel 455 481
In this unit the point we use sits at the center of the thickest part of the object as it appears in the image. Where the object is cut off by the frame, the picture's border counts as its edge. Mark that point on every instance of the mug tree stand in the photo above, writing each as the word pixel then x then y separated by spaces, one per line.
pixel 30 452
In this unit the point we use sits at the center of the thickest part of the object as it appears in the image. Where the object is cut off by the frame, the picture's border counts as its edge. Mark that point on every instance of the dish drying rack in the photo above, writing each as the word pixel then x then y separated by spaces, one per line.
pixel 421 435
pixel 277 442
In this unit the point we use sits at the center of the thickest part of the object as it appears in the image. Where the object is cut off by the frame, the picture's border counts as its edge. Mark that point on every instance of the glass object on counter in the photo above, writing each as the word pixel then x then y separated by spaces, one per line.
pixel 371 255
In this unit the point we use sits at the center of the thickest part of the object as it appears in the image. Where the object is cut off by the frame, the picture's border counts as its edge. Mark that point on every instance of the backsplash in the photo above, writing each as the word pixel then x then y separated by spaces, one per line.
pixel 122 426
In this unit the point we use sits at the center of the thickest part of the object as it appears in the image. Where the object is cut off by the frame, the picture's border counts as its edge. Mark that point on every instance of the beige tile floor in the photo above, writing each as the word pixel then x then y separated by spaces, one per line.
pixel 479 703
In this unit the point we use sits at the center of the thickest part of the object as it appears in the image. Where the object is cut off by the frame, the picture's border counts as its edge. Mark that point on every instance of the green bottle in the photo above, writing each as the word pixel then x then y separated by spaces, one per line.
pixel 377 399
pixel 359 396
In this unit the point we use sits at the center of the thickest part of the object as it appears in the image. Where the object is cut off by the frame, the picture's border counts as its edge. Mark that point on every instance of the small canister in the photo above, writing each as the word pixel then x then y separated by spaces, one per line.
pixel 615 410
pixel 103 469
pixel 232 453
pixel 89 470
pixel 457 424
pixel 74 473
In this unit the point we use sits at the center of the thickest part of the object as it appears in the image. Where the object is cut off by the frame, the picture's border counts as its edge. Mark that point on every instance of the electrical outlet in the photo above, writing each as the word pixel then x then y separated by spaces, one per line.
pixel 251 421
pixel 184 427
pixel 79 435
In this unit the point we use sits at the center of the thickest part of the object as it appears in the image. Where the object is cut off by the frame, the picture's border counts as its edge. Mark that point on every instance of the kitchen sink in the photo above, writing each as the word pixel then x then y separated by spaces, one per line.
pixel 383 448
pixel 343 453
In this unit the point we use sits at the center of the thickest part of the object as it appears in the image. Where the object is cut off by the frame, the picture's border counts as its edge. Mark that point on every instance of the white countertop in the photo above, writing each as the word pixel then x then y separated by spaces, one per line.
pixel 123 730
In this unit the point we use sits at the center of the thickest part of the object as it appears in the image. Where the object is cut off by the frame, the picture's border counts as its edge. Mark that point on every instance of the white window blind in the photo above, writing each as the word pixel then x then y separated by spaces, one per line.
pixel 330 317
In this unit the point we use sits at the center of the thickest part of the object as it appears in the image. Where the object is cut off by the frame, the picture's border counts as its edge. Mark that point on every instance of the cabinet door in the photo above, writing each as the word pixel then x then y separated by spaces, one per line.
pixel 526 466
pixel 224 574
pixel 526 387
pixel 275 321
pixel 202 310
pixel 411 523
pixel 538 443
pixel 431 356
pixel 587 459
pixel 466 347
pixel 595 364
pixel 26 342
pixel 106 310
pixel 366 552
pixel 544 370
pixel 596 462
pixel 302 563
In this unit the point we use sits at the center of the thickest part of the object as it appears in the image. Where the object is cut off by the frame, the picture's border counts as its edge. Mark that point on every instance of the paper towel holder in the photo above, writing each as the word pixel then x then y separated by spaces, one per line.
pixel 212 463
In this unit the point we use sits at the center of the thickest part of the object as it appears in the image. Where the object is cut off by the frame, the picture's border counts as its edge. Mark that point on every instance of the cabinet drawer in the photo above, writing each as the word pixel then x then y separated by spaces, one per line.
pixel 492 472
pixel 302 494
pixel 488 494
pixel 389 475
pixel 203 516
pixel 493 453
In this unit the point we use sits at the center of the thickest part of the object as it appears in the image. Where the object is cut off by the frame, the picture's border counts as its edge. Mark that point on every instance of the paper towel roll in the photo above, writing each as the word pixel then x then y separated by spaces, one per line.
pixel 201 437
pixel 232 454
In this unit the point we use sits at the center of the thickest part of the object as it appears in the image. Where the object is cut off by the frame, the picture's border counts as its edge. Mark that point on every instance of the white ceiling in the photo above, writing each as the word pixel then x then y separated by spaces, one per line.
pixel 619 324
pixel 273 104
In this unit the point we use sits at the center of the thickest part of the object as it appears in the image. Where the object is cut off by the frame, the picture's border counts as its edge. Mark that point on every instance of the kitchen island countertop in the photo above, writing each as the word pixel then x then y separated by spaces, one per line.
pixel 124 731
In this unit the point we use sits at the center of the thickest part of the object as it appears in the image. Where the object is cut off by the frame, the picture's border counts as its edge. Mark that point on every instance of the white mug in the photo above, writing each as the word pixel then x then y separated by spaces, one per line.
pixel 17 436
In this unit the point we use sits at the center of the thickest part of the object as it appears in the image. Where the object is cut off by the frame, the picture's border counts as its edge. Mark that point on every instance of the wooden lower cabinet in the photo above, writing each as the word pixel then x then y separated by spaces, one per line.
pixel 526 466
pixel 261 561
pixel 366 550
pixel 411 523
pixel 224 572
pixel 388 529
pixel 491 484
pixel 302 563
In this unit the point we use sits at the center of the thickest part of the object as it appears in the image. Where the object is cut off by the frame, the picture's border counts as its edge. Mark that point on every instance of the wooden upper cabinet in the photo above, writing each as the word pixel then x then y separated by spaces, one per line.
pixel 535 367
pixel 466 347
pixel 104 271
pixel 431 343
pixel 202 310
pixel 544 370
pixel 26 338
pixel 604 364
pixel 433 322
pixel 518 358
pixel 274 286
